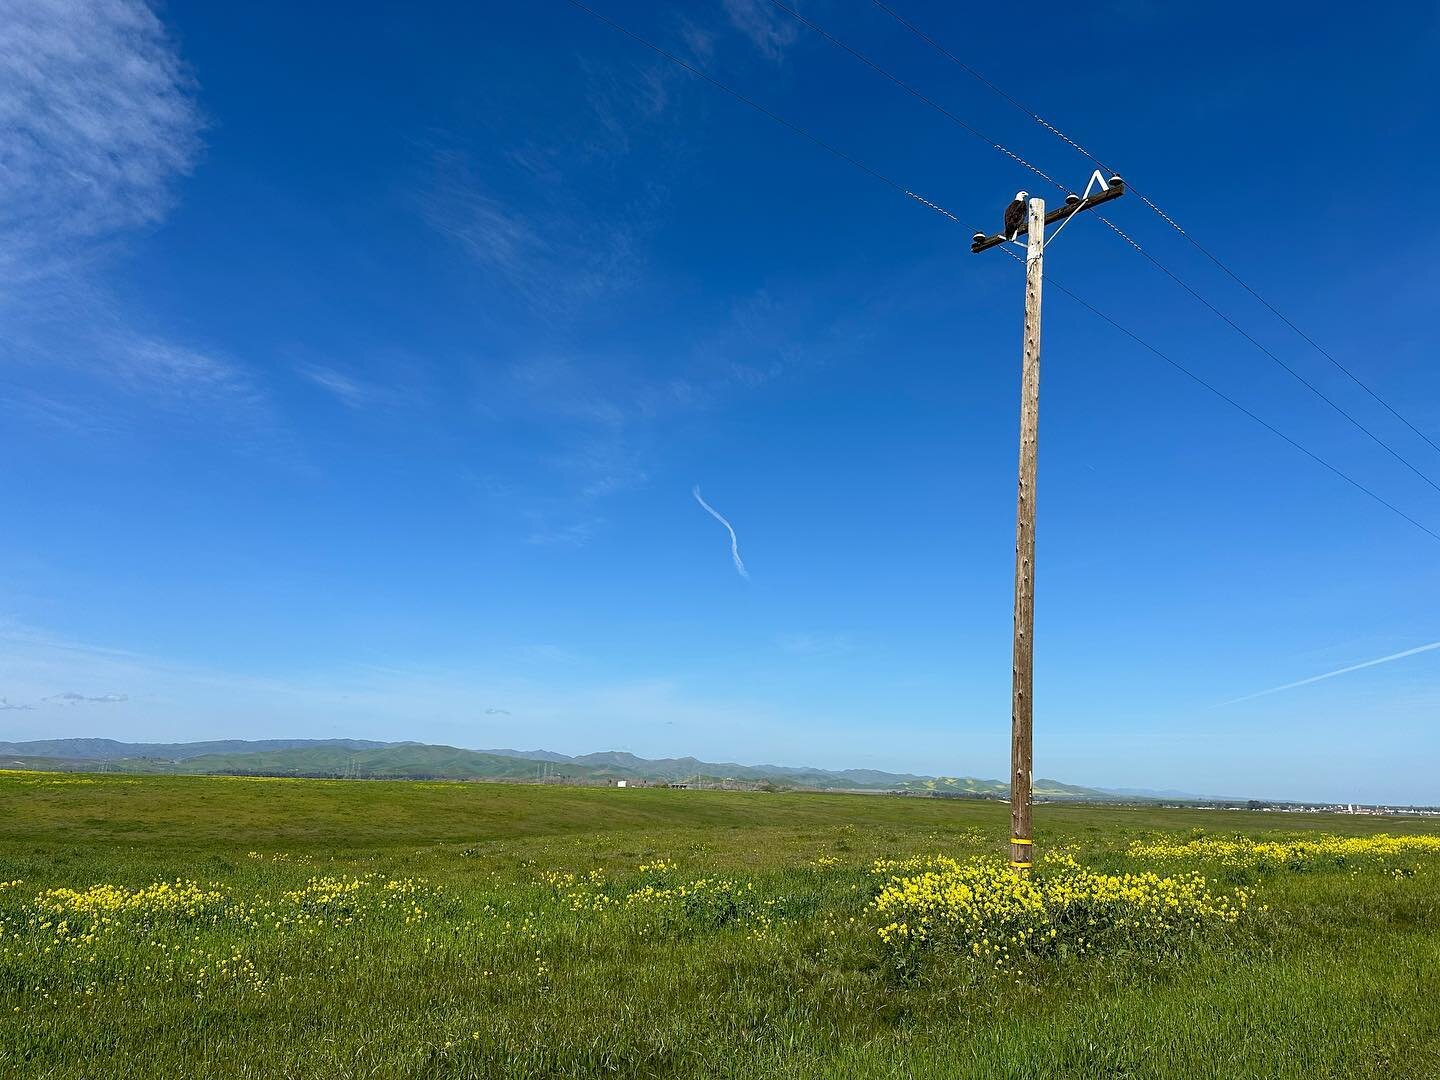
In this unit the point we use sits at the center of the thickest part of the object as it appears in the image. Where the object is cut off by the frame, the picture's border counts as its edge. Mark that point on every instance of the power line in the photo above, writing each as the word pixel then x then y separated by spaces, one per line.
pixel 1212 388
pixel 1297 376
pixel 1231 401
pixel 900 188
pixel 1358 424
pixel 1048 126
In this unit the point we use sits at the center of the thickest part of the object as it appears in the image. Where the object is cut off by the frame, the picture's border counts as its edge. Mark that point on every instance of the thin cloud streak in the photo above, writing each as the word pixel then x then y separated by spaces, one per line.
pixel 1331 674
pixel 734 540
pixel 768 32
pixel 348 390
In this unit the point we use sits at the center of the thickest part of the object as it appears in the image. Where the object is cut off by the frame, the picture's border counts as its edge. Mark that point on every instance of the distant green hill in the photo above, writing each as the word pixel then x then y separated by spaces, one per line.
pixel 968 785
pixel 360 759
pixel 110 750
pixel 407 761
pixel 416 761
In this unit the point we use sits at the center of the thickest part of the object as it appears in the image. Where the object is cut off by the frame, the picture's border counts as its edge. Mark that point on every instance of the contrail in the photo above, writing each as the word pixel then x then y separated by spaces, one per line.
pixel 1332 674
pixel 734 541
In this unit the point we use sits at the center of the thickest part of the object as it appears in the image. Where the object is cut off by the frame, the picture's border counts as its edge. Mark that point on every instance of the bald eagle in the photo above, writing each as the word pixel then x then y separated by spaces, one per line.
pixel 1015 215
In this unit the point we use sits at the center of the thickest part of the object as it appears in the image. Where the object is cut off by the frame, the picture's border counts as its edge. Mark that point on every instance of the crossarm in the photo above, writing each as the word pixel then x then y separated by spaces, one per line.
pixel 1114 191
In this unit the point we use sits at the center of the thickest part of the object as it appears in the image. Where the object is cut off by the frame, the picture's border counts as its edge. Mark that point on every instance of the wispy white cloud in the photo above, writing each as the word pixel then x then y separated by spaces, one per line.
pixel 769 29
pixel 98 123
pixel 1332 674
pixel 542 654
pixel 97 118
pixel 734 540
pixel 549 218
pixel 168 372
pixel 94 373
pixel 356 393
pixel 561 387
pixel 626 99
pixel 494 234
pixel 589 425
pixel 699 40
pixel 72 698
pixel 809 644
pixel 571 534
pixel 594 419
pixel 550 250
pixel 550 214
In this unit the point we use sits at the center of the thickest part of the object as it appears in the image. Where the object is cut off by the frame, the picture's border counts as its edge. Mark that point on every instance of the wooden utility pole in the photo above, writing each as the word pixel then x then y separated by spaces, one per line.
pixel 1022 670
pixel 1022 664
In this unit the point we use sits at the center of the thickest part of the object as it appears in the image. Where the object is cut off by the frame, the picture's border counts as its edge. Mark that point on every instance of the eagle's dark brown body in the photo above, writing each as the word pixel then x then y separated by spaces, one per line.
pixel 1014 218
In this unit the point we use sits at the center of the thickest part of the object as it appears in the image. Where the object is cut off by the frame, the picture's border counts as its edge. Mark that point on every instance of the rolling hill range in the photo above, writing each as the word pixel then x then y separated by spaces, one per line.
pixel 110 750
pixel 362 759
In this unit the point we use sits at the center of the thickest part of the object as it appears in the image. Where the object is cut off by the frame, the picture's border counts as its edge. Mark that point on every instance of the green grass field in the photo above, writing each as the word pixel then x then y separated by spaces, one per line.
pixel 345 928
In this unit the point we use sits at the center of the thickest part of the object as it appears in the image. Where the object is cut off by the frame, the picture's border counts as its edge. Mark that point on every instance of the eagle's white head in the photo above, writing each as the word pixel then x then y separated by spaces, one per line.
pixel 1021 196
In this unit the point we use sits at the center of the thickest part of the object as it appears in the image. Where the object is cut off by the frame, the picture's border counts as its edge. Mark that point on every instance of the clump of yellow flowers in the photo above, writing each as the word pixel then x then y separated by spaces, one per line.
pixel 583 892
pixel 1315 850
pixel 185 933
pixel 180 900
pixel 1001 915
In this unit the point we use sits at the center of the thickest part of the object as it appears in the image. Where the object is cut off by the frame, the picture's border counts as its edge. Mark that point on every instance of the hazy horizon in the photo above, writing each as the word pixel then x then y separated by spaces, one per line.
pixel 601 748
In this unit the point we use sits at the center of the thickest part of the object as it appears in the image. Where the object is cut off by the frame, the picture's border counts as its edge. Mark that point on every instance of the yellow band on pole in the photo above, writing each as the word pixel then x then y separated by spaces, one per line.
pixel 1021 865
pixel 1017 840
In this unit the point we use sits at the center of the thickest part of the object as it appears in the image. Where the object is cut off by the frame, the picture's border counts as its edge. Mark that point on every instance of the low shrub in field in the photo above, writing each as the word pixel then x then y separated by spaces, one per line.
pixel 704 902
pixel 582 892
pixel 1300 854
pixel 341 900
pixel 663 901
pixel 999 915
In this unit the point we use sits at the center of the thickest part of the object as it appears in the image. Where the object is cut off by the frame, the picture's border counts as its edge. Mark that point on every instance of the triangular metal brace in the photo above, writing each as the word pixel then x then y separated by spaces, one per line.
pixel 1096 179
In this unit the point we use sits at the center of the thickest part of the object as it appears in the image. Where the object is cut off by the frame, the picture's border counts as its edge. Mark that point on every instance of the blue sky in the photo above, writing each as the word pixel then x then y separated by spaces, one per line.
pixel 358 367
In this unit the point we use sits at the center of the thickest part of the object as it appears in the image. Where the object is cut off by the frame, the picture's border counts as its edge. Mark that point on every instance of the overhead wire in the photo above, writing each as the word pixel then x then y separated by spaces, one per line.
pixel 901 189
pixel 1231 401
pixel 966 126
pixel 1152 206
